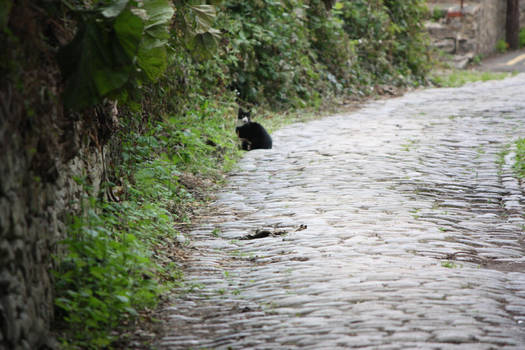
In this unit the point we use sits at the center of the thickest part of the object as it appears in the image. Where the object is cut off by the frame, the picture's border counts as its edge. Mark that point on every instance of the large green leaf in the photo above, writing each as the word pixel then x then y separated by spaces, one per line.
pixel 155 37
pixel 156 32
pixel 203 45
pixel 129 28
pixel 152 56
pixel 93 66
pixel 204 17
pixel 80 90
pixel 159 12
pixel 114 9
pixel 110 79
pixel 153 62
pixel 111 45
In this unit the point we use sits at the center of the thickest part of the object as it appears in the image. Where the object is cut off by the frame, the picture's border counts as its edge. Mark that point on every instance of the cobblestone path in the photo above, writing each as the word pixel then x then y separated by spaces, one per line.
pixel 414 238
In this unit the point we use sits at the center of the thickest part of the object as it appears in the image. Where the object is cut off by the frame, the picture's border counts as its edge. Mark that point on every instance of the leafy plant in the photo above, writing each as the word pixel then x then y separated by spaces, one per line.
pixel 476 60
pixel 105 275
pixel 502 46
pixel 268 53
pixel 200 36
pixel 389 40
pixel 522 37
pixel 438 13
pixel 331 45
pixel 117 43
pixel 120 44
pixel 114 264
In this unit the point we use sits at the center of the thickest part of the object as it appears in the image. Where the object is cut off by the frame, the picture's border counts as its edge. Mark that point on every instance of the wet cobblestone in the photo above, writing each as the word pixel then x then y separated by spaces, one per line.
pixel 414 238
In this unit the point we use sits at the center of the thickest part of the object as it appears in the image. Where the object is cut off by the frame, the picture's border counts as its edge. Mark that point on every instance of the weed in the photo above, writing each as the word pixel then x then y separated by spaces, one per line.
pixel 438 14
pixel 500 161
pixel 105 276
pixel 109 272
pixel 215 233
pixel 476 60
pixel 519 165
pixel 502 46
pixel 409 144
pixel 450 264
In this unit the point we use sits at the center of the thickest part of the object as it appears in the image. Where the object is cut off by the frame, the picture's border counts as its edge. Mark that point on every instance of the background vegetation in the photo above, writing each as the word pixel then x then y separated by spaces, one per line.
pixel 179 70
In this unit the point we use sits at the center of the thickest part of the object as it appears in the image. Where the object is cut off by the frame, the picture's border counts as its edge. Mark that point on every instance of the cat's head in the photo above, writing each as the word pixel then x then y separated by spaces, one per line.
pixel 243 117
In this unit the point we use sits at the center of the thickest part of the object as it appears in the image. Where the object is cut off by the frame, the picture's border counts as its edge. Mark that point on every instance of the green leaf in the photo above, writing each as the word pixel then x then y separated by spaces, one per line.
pixel 155 37
pixel 114 8
pixel 108 80
pixel 78 68
pixel 153 62
pixel 159 12
pixel 122 298
pixel 204 16
pixel 129 28
pixel 131 311
pixel 94 65
pixel 203 45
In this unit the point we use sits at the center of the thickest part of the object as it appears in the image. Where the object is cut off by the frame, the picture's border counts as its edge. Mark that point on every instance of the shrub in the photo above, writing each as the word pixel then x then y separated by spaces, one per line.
pixel 438 14
pixel 390 42
pixel 268 53
pixel 105 275
pixel 118 44
pixel 502 46
pixel 113 265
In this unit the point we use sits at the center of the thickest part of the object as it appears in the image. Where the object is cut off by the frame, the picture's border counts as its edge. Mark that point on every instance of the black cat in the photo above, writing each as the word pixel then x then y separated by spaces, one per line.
pixel 252 134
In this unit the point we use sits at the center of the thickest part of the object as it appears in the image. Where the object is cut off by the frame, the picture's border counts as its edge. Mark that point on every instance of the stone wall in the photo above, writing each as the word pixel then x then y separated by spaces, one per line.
pixel 34 207
pixel 475 32
pixel 490 25
pixel 42 149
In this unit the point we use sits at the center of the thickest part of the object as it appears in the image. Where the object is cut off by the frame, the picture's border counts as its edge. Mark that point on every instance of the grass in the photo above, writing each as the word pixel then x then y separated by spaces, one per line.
pixel 457 78
pixel 519 165
pixel 121 250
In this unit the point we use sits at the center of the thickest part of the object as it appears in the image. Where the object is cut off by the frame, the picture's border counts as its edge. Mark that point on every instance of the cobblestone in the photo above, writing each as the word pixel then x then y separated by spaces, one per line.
pixel 414 238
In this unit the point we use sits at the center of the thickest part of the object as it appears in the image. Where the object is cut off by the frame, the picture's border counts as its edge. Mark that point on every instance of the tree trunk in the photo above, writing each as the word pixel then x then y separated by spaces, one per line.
pixel 513 24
